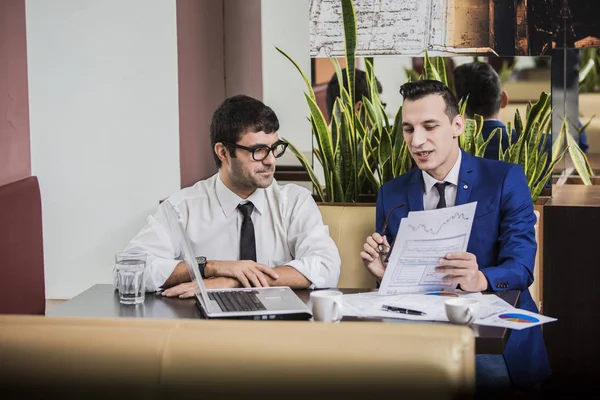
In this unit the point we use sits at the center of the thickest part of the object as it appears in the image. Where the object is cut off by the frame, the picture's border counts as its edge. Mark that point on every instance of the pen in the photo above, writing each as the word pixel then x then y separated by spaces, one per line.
pixel 402 310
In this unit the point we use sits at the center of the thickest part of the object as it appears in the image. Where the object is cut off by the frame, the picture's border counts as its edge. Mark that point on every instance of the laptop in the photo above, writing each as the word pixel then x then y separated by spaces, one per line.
pixel 272 303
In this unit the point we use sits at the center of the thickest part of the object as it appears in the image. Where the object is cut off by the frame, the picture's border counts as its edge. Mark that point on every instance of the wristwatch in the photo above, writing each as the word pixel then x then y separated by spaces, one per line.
pixel 201 265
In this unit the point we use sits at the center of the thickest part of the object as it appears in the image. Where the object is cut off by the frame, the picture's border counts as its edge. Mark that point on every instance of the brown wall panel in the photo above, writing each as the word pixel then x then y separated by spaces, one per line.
pixel 201 83
pixel 15 157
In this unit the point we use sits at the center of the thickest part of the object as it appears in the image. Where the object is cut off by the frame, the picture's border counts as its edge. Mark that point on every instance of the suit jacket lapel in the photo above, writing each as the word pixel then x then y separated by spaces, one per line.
pixel 415 191
pixel 466 177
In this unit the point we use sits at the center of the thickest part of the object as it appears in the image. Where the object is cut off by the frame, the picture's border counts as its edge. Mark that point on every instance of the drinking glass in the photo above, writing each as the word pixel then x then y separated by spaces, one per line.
pixel 129 273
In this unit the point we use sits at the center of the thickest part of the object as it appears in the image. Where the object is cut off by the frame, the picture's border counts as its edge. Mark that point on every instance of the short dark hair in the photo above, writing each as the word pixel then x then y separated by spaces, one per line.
pixel 418 89
pixel 236 116
pixel 361 88
pixel 481 83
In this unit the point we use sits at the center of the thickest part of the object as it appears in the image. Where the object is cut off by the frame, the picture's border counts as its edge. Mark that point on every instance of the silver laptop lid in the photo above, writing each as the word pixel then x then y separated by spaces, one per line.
pixel 181 242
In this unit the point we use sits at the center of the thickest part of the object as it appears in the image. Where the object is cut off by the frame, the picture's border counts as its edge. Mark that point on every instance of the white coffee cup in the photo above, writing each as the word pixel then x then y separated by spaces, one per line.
pixel 327 305
pixel 462 311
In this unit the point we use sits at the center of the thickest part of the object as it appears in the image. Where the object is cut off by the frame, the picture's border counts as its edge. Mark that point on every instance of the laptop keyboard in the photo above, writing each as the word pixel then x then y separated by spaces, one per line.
pixel 237 300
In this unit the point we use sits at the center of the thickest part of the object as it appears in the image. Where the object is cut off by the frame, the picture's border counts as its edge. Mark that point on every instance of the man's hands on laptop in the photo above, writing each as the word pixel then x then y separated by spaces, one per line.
pixel 226 274
pixel 248 273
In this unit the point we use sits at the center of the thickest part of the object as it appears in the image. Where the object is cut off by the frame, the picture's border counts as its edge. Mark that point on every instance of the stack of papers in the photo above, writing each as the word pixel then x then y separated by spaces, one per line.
pixel 493 311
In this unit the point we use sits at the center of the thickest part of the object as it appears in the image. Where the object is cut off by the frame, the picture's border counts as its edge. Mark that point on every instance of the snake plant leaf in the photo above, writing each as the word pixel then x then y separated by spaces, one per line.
pixel 462 105
pixel 481 144
pixel 336 116
pixel 349 25
pixel 468 136
pixel 537 110
pixel 311 92
pixel 308 167
pixel 406 161
pixel 540 168
pixel 347 173
pixel 367 168
pixel 560 140
pixel 539 186
pixel 441 67
pixel 373 113
pixel 385 153
pixel 323 136
pixel 579 160
pixel 430 71
pixel 344 95
pixel 584 126
pixel 519 124
pixel 321 133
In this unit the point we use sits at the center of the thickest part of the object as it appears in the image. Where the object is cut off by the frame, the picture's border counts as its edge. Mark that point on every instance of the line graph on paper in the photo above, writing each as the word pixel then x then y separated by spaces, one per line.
pixel 433 231
pixel 416 249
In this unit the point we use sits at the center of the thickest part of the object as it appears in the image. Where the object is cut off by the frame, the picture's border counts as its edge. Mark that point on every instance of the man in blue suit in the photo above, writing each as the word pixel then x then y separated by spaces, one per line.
pixel 481 83
pixel 502 247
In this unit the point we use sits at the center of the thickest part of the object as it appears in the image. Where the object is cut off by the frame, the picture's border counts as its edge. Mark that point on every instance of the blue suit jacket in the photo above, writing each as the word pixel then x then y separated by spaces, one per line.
pixel 502 239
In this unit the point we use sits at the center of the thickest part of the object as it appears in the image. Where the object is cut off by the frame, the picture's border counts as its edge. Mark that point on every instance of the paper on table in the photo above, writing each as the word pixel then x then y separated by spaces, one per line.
pixel 515 319
pixel 368 305
pixel 423 238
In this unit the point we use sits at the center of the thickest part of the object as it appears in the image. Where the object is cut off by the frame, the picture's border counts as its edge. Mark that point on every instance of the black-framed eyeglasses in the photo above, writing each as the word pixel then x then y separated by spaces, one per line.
pixel 262 151
pixel 384 249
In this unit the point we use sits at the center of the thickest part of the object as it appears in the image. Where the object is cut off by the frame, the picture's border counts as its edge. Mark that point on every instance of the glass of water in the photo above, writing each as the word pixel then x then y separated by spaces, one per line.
pixel 129 276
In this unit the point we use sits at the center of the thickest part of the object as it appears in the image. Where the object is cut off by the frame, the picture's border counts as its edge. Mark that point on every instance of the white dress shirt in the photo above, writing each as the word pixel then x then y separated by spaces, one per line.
pixel 288 227
pixel 431 196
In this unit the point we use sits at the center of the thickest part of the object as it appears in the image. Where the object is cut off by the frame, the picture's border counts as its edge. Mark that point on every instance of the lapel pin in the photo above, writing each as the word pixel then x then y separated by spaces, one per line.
pixel 465 187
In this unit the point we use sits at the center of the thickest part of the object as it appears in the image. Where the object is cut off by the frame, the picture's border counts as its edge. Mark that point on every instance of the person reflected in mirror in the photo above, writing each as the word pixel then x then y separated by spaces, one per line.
pixel 361 88
pixel 481 83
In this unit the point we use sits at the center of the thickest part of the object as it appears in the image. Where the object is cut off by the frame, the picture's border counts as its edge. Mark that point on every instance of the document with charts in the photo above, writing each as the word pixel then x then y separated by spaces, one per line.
pixel 423 238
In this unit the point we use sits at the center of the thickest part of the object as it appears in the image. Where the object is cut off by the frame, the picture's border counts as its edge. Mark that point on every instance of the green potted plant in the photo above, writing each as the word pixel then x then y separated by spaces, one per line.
pixel 358 151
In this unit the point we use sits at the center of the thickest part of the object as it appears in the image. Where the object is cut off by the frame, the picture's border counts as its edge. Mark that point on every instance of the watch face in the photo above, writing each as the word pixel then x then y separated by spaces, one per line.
pixel 201 260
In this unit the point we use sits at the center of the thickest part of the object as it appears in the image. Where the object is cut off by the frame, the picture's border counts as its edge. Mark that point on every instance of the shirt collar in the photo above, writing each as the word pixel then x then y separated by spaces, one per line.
pixel 452 176
pixel 229 200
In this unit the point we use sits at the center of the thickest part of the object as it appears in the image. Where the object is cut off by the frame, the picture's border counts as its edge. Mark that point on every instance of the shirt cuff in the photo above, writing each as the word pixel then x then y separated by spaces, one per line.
pixel 157 273
pixel 317 280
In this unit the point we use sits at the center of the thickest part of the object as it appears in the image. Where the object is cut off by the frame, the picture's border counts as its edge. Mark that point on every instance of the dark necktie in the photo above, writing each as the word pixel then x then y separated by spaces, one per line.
pixel 441 187
pixel 247 240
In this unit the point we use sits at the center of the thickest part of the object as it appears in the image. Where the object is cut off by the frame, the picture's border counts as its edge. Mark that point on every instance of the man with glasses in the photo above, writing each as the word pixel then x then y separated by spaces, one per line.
pixel 248 230
pixel 502 247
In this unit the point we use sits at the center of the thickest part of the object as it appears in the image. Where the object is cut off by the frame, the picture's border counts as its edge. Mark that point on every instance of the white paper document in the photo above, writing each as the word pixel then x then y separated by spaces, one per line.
pixel 369 305
pixel 515 319
pixel 493 311
pixel 423 238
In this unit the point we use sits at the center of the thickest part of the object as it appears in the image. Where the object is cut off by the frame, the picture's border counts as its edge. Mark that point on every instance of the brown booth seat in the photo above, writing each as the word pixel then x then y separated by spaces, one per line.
pixel 21 248
pixel 75 357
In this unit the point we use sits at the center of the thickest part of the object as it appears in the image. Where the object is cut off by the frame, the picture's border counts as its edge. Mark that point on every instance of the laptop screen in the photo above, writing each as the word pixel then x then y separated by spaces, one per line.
pixel 180 242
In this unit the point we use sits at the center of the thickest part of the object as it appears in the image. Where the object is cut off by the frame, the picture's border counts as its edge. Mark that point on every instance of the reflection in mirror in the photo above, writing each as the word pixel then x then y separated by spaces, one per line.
pixel 498 87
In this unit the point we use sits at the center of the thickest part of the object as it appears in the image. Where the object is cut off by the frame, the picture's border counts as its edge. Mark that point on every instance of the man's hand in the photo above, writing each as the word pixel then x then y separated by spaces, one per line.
pixel 247 272
pixel 462 268
pixel 188 289
pixel 371 256
pixel 183 290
